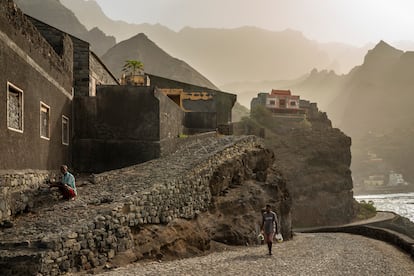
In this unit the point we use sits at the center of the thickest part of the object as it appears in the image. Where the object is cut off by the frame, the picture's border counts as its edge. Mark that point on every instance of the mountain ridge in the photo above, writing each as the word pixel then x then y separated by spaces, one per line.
pixel 230 55
pixel 154 59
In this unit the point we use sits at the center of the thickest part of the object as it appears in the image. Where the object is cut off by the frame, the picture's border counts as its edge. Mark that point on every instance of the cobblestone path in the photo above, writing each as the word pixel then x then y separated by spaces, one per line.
pixel 52 217
pixel 307 254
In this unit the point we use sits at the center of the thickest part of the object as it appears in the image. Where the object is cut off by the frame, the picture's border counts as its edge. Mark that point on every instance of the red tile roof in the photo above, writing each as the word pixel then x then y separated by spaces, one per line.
pixel 281 92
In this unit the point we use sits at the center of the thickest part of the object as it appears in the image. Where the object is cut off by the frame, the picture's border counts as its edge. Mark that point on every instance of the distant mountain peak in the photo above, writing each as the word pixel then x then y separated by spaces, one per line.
pixel 155 59
pixel 383 48
pixel 382 54
pixel 382 45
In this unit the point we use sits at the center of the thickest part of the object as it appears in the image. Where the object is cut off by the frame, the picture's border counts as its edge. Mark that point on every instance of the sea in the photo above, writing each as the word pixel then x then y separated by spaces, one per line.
pixel 402 204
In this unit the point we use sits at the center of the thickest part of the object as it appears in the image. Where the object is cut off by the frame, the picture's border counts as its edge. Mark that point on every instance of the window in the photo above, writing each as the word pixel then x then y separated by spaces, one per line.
pixel 272 102
pixel 65 130
pixel 92 90
pixel 282 103
pixel 44 121
pixel 14 108
pixel 292 103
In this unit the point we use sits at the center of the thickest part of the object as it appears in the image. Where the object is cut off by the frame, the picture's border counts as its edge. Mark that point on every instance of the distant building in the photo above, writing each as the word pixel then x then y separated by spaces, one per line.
pixel 396 179
pixel 279 102
pixel 375 180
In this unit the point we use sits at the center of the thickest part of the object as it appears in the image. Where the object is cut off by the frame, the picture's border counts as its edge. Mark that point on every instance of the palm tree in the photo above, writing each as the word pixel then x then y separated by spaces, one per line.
pixel 132 66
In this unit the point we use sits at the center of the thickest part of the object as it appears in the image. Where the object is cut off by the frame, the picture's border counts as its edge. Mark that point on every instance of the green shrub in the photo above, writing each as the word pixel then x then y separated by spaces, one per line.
pixel 366 209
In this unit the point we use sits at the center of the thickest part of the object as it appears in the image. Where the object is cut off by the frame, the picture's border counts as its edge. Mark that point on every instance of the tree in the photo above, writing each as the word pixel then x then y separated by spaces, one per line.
pixel 132 66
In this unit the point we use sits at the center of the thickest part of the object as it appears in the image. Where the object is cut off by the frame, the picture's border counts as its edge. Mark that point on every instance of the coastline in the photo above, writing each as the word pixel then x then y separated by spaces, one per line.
pixel 400 203
pixel 385 226
pixel 360 191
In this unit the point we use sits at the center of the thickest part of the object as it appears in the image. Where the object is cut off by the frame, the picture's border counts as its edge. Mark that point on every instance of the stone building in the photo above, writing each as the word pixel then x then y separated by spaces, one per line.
pixel 88 70
pixel 105 136
pixel 279 102
pixel 125 125
pixel 205 109
pixel 36 121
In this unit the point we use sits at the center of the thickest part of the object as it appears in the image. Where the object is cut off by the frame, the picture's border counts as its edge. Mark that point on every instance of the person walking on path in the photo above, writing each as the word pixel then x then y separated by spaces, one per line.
pixel 66 185
pixel 269 225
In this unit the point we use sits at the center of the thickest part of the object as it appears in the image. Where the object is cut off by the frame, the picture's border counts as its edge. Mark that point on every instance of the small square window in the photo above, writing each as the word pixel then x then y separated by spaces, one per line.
pixel 292 103
pixel 14 108
pixel 44 121
pixel 272 102
pixel 65 130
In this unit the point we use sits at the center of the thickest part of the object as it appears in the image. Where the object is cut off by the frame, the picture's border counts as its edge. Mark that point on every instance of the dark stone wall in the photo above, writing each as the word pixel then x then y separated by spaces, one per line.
pixel 80 55
pixel 171 118
pixel 224 104
pixel 124 125
pixel 196 122
pixel 81 70
pixel 85 64
pixel 22 48
pixel 200 105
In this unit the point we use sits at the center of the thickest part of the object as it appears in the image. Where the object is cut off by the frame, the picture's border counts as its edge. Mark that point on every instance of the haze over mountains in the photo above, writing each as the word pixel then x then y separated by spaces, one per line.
pixel 230 55
pixel 155 60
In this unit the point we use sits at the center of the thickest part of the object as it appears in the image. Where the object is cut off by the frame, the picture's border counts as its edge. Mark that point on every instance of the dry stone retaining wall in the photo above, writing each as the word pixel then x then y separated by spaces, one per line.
pixel 86 233
pixel 18 190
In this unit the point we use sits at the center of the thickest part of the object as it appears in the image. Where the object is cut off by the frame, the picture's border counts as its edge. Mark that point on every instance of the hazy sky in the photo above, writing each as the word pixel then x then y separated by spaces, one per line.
pixel 353 21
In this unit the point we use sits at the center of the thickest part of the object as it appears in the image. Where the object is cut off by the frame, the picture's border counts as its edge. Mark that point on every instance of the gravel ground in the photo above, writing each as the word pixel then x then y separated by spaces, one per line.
pixel 306 254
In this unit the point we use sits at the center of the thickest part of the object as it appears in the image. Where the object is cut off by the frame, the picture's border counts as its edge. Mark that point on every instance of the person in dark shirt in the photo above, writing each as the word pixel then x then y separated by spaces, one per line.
pixel 269 226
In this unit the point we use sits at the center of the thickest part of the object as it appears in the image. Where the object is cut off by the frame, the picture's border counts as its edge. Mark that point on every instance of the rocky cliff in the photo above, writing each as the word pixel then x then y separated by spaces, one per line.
pixel 315 158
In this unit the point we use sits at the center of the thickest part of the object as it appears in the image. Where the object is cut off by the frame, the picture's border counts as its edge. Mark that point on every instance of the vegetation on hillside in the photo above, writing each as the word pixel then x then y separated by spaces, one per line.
pixel 365 209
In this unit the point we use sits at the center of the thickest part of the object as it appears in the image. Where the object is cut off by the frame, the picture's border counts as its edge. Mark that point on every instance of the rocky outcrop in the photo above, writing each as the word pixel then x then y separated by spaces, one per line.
pixel 212 189
pixel 315 159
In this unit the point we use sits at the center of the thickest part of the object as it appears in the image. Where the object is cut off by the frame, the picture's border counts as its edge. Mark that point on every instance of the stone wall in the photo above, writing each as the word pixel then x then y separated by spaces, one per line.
pixel 102 223
pixel 80 54
pixel 99 74
pixel 18 190
pixel 124 125
pixel 196 122
pixel 16 26
pixel 86 66
pixel 81 69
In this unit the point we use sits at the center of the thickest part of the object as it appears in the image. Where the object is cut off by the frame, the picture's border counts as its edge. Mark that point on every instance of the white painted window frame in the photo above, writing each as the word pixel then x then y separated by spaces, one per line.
pixel 42 104
pixel 67 130
pixel 9 84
